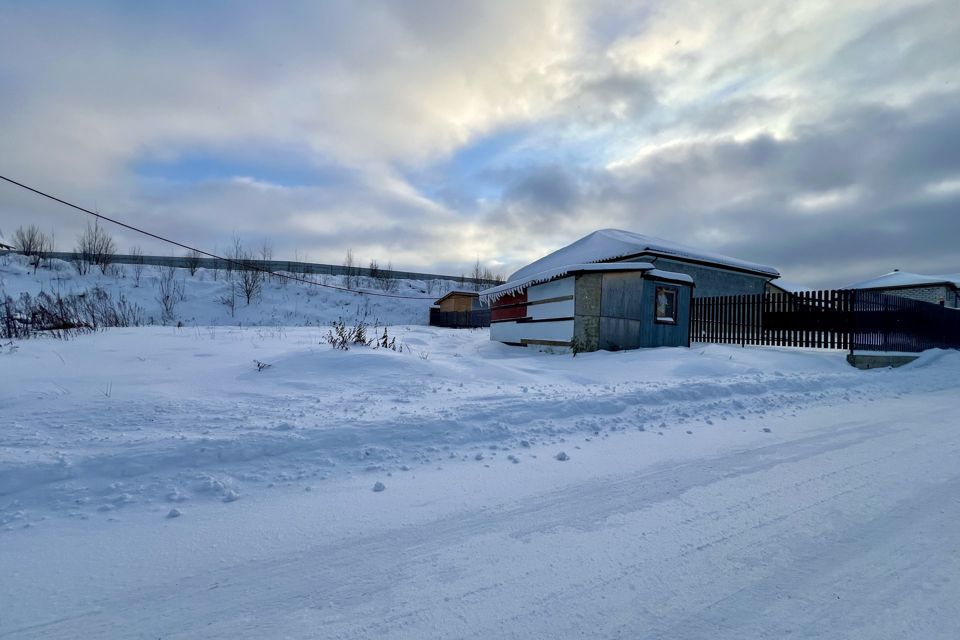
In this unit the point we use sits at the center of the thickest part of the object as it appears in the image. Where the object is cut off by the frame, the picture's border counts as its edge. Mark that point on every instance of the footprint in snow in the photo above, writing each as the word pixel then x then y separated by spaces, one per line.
pixel 379 486
pixel 562 456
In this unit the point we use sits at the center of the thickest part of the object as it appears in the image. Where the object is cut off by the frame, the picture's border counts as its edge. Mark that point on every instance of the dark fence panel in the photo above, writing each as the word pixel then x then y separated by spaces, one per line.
pixel 828 319
pixel 891 323
pixel 460 319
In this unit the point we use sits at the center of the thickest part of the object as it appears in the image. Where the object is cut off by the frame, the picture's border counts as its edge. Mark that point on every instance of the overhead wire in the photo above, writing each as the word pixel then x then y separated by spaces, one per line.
pixel 242 264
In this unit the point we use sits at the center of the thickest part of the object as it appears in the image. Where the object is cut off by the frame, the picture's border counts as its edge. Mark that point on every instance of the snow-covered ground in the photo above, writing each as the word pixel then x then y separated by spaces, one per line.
pixel 155 484
pixel 281 302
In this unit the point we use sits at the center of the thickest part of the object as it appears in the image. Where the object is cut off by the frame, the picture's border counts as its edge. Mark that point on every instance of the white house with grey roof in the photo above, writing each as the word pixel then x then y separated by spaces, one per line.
pixel 938 289
pixel 614 290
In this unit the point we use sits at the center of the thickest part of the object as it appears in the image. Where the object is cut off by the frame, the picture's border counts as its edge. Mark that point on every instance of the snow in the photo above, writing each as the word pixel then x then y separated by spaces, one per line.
pixel 905 279
pixel 154 483
pixel 611 244
pixel 282 302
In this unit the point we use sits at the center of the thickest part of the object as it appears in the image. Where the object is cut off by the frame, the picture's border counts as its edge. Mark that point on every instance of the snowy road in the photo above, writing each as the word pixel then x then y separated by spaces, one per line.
pixel 842 522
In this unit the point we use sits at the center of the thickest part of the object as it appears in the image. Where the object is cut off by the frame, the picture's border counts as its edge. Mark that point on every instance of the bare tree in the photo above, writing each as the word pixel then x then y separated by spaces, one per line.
pixel 482 276
pixel 137 254
pixel 266 255
pixel 192 258
pixel 94 247
pixel 33 243
pixel 350 271
pixel 476 275
pixel 250 277
pixel 234 254
pixel 383 278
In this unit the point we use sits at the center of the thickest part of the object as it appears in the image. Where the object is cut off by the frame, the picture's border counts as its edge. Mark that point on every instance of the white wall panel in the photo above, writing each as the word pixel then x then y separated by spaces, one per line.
pixel 561 331
pixel 555 289
pixel 562 309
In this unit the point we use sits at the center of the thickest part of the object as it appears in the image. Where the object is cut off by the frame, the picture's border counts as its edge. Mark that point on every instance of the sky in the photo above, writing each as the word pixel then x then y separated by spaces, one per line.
pixel 822 138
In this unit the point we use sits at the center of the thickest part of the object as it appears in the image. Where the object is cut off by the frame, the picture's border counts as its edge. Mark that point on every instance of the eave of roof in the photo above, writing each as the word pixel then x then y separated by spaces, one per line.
pixel 907 280
pixel 514 286
pixel 606 245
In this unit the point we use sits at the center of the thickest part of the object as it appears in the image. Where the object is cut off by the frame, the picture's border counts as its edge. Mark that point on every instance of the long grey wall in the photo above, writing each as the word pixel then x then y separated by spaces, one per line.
pixel 272 265
pixel 711 281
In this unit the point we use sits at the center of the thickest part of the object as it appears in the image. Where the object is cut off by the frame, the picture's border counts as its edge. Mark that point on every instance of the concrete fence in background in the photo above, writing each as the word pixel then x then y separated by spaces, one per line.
pixel 304 268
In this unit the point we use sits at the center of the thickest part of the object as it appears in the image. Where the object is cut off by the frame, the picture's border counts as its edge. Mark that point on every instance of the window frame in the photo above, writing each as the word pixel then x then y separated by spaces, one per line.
pixel 670 290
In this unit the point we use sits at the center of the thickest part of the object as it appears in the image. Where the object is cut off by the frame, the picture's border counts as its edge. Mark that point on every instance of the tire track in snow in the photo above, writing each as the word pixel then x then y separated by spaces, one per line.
pixel 661 531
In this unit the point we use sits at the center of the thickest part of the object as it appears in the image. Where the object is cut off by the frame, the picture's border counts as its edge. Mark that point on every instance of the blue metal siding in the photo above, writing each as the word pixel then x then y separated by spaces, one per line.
pixel 627 314
pixel 658 334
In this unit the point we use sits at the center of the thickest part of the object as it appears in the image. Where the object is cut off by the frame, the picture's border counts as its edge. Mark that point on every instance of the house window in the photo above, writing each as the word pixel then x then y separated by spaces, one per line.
pixel 665 310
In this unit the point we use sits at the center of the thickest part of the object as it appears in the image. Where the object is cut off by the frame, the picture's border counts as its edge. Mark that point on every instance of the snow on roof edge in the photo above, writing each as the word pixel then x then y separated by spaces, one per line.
pixel 904 279
pixel 494 293
pixel 613 244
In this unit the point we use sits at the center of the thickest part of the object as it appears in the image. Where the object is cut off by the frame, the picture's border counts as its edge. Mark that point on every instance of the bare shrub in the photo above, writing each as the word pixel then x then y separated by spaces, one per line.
pixel 60 316
pixel 33 243
pixel 170 293
pixel 343 336
pixel 95 246
pixel 229 299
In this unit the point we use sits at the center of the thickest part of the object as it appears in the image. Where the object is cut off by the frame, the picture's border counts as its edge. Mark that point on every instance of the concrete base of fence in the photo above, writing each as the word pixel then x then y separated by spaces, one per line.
pixel 878 360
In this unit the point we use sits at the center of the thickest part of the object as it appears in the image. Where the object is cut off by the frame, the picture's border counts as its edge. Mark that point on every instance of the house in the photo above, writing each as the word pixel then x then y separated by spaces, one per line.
pixel 459 310
pixel 4 246
pixel 458 300
pixel 938 289
pixel 591 306
pixel 714 274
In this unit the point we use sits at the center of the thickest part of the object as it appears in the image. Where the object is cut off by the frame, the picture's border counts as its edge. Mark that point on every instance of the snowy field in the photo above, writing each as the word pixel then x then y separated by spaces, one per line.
pixel 155 484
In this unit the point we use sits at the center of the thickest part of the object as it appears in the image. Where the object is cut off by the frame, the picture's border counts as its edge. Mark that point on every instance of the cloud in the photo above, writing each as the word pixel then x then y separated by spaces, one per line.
pixel 865 171
pixel 432 133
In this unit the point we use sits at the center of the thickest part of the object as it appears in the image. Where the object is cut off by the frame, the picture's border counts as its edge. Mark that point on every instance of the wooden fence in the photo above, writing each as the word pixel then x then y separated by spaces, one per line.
pixel 828 319
pixel 460 319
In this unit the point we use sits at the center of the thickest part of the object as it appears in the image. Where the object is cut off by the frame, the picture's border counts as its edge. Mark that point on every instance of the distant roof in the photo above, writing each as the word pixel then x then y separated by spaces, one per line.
pixel 611 244
pixel 906 279
pixel 457 292
pixel 789 287
pixel 552 274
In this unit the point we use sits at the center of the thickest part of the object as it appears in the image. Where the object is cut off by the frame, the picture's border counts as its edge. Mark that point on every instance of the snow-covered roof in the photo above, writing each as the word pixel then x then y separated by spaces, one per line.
pixel 489 295
pixel 906 279
pixel 456 292
pixel 611 244
pixel 789 287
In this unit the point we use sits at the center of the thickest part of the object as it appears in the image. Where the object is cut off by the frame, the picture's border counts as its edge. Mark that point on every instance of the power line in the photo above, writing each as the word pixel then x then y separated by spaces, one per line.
pixel 240 263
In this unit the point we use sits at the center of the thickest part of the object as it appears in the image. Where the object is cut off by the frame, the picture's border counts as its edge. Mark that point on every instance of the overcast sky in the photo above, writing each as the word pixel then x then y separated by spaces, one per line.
pixel 822 138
